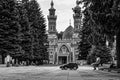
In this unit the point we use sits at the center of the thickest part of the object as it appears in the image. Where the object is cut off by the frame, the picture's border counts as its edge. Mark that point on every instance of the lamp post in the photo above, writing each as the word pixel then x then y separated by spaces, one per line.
pixel 114 49
pixel 107 43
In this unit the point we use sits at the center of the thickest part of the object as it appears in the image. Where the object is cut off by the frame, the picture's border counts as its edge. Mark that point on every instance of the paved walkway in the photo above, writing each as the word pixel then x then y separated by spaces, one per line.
pixel 54 73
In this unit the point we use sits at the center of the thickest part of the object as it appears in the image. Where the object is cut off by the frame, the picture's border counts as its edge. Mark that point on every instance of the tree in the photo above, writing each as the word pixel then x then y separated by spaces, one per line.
pixel 103 52
pixel 39 43
pixel 104 16
pixel 24 33
pixel 9 28
pixel 22 30
pixel 84 45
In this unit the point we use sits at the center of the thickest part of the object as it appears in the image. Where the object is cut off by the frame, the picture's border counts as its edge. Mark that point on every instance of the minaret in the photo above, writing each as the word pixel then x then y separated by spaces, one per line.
pixel 77 28
pixel 52 36
pixel 52 20
pixel 77 17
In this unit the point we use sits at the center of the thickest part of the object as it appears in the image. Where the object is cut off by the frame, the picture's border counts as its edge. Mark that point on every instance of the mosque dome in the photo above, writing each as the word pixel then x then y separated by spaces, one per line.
pixel 68 32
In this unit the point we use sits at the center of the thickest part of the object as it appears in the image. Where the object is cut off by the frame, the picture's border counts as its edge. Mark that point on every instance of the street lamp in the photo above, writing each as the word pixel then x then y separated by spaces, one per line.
pixel 107 43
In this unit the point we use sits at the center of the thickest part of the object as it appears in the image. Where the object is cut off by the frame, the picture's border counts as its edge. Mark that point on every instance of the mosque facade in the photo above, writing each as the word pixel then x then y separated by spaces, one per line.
pixel 65 50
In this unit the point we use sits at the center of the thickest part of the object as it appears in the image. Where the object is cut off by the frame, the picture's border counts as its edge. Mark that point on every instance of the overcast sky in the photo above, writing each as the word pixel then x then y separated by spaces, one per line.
pixel 64 12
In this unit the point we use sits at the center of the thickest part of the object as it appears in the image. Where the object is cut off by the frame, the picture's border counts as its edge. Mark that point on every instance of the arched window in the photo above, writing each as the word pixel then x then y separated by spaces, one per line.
pixel 51 28
pixel 64 49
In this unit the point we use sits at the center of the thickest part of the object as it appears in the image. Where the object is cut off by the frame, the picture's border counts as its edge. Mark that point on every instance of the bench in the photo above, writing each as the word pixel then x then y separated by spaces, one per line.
pixel 112 67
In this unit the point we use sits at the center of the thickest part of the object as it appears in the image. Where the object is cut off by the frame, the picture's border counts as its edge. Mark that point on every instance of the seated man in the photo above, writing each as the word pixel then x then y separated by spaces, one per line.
pixel 112 66
pixel 96 64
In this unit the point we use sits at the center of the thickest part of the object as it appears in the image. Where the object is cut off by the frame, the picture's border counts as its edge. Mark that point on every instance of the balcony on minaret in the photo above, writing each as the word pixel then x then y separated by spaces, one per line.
pixel 54 17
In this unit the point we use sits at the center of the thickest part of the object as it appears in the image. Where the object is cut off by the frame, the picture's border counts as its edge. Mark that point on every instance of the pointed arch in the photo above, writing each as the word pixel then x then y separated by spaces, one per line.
pixel 64 46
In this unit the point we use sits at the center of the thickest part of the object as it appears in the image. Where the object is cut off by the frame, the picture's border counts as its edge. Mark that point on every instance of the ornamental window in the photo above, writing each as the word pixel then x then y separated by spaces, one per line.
pixel 51 28
pixel 51 56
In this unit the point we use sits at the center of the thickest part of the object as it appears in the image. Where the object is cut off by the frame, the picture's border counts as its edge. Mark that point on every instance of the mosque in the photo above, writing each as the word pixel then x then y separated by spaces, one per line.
pixel 62 51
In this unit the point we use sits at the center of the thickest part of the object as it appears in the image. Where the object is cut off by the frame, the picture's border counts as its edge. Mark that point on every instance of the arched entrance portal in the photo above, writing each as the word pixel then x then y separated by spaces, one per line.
pixel 64 55
pixel 62 59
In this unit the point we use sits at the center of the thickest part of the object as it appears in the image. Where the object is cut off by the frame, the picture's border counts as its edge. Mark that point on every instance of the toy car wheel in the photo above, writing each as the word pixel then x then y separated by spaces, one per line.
pixel 65 68
pixel 75 68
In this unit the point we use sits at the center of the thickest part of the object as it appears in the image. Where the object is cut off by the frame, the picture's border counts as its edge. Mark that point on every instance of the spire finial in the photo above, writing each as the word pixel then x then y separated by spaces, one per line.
pixel 70 22
pixel 52 4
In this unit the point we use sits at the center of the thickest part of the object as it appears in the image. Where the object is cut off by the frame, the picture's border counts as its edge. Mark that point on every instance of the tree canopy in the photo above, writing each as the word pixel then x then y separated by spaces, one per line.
pixel 104 21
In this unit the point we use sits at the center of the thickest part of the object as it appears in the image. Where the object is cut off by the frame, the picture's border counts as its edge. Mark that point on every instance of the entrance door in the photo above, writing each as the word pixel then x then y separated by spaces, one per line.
pixel 62 60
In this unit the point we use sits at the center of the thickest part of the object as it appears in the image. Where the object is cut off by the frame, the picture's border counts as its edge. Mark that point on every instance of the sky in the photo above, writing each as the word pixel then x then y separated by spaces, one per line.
pixel 64 12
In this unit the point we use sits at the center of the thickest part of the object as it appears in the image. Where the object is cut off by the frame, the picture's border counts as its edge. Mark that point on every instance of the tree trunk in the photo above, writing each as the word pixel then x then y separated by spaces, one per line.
pixel 118 48
pixel 3 58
